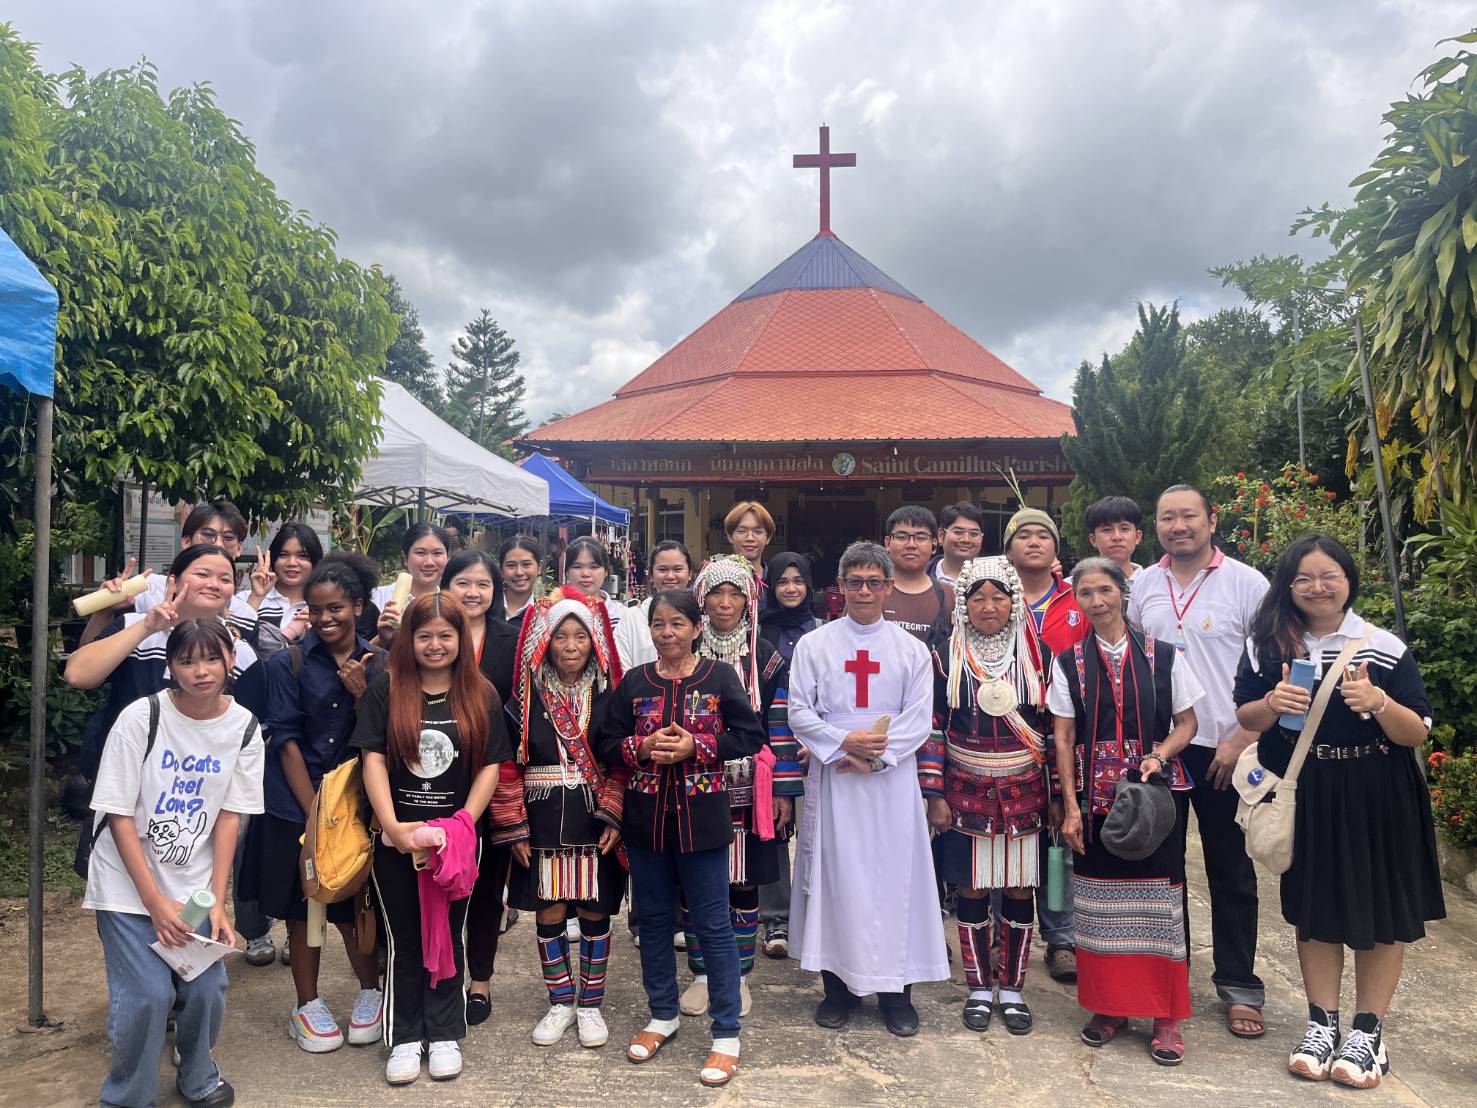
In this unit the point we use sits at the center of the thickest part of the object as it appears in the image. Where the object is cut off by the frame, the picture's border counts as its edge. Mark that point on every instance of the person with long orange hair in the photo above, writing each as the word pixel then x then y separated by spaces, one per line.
pixel 431 731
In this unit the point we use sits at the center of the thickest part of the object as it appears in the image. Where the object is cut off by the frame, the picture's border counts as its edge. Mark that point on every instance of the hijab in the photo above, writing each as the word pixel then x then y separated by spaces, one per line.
pixel 776 615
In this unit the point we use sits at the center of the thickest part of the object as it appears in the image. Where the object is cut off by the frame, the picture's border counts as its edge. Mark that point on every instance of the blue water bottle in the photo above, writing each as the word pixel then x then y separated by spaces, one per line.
pixel 1300 673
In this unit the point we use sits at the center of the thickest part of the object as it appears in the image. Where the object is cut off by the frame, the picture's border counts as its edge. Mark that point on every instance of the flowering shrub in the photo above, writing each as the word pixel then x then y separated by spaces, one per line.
pixel 1453 782
pixel 1259 518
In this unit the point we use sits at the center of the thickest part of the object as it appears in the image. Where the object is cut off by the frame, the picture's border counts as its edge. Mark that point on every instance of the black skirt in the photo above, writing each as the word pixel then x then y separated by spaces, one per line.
pixel 523 886
pixel 1364 867
pixel 762 858
pixel 270 874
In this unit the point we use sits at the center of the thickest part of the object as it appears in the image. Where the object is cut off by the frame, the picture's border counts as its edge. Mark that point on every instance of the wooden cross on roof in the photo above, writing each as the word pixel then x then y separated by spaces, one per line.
pixel 824 161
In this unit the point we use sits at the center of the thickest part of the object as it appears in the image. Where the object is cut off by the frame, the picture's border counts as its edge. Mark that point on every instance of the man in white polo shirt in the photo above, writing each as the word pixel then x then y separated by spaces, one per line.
pixel 1203 602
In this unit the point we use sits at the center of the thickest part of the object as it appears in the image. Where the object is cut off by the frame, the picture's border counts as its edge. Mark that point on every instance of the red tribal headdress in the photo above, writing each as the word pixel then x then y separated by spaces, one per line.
pixel 539 623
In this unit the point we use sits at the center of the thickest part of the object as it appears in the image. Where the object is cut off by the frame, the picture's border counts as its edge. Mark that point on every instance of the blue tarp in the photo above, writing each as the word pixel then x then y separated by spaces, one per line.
pixel 567 497
pixel 27 324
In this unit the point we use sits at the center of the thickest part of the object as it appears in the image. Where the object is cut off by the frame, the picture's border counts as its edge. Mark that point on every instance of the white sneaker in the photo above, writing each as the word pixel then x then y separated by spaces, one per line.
pixel 314 1029
pixel 366 1024
pixel 404 1065
pixel 592 1027
pixel 1314 1056
pixel 556 1021
pixel 746 1001
pixel 1362 1062
pixel 694 1000
pixel 446 1060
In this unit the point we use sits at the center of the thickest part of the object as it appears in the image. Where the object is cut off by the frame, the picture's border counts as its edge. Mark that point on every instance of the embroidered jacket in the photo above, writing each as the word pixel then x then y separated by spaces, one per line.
pixel 995 780
pixel 683 807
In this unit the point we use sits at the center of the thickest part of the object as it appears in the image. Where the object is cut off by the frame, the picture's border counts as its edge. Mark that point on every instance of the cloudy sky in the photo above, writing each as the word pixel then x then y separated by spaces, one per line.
pixel 605 176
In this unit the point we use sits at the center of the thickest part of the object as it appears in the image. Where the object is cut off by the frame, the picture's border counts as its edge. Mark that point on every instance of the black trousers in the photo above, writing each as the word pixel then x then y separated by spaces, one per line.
pixel 485 910
pixel 1232 880
pixel 413 1010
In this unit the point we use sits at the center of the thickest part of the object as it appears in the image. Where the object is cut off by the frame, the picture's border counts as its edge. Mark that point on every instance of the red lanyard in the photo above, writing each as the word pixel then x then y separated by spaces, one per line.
pixel 1117 679
pixel 1181 613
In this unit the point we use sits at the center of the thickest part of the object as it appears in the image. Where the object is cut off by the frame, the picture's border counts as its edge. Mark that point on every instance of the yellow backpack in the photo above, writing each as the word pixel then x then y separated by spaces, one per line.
pixel 338 847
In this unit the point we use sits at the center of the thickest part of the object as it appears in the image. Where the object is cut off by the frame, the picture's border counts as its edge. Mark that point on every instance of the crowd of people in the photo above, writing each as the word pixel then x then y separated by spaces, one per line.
pixel 976 736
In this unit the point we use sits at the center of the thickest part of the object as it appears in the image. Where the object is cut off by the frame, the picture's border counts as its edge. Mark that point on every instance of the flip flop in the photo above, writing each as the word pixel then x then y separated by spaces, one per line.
pixel 1245 1013
pixel 1101 1029
pixel 718 1070
pixel 649 1042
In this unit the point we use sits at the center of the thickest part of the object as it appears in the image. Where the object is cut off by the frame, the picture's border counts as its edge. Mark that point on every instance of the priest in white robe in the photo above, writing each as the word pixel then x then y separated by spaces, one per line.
pixel 864 909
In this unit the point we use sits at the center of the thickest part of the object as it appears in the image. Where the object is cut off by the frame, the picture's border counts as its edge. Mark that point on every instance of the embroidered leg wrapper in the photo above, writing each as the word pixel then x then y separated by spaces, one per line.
pixel 743 913
pixel 594 956
pixel 974 940
pixel 553 952
pixel 1016 924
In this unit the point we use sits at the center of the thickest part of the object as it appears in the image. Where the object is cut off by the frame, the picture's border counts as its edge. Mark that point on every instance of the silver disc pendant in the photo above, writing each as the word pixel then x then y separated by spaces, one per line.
pixel 998 697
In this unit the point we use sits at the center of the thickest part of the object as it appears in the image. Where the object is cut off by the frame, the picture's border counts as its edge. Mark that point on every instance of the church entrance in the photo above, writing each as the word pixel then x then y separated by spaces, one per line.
pixel 827 526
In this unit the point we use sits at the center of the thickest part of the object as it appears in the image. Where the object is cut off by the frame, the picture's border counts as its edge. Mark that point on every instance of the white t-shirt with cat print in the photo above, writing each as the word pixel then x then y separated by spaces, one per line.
pixel 196 769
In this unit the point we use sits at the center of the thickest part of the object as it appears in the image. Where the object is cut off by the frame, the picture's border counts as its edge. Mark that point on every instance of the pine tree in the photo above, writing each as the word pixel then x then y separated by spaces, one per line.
pixel 1142 419
pixel 484 390
pixel 408 362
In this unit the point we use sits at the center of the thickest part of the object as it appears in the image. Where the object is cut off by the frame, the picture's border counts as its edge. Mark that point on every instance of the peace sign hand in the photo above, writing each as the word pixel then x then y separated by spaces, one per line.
pixel 165 614
pixel 263 580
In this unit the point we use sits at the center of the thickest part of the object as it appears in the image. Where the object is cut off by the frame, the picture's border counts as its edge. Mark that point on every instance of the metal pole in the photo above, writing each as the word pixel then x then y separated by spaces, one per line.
pixel 1381 486
pixel 420 505
pixel 40 665
pixel 1297 337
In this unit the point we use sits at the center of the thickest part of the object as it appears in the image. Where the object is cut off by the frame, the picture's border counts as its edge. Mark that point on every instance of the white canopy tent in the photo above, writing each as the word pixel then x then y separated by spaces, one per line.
pixel 423 461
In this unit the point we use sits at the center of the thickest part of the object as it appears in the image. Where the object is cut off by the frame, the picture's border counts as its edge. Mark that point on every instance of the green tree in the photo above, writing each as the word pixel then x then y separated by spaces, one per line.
pixel 211 339
pixel 408 361
pixel 1408 245
pixel 1141 419
pixel 484 390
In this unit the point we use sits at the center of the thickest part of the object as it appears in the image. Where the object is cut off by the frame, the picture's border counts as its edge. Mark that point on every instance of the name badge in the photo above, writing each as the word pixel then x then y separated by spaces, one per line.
pixel 1180 645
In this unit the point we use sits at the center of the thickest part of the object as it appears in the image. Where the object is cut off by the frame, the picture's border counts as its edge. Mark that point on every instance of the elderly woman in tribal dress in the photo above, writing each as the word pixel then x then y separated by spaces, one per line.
pixel 563 815
pixel 760 788
pixel 1123 707
pixel 985 774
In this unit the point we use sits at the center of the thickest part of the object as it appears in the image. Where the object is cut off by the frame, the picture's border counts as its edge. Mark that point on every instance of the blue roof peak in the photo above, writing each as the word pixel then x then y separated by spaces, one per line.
pixel 825 262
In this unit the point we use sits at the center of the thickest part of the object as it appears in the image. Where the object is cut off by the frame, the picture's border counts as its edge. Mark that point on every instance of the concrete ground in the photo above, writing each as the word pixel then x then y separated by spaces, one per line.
pixel 787 1059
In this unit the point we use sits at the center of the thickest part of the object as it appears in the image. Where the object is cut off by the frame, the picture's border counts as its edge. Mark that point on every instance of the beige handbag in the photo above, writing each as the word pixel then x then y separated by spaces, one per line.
pixel 1267 809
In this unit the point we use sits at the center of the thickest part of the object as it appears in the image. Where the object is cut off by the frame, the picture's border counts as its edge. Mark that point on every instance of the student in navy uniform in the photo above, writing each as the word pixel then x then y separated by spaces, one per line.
pixel 1364 871
pixel 278 581
pixel 312 696
pixel 473 578
pixel 432 732
pixel 145 865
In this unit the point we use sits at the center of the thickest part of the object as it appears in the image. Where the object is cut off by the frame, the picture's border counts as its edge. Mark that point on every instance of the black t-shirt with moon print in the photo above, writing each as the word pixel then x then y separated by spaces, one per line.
pixel 436 785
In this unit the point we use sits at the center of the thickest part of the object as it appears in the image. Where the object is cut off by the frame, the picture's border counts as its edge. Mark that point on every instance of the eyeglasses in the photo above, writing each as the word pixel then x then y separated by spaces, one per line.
pixel 749 532
pixel 905 537
pixel 1327 582
pixel 864 584
pixel 212 536
pixel 960 533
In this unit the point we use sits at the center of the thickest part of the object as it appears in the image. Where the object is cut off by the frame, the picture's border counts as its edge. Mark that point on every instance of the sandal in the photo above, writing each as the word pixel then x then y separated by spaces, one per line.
pixel 977 1013
pixel 718 1070
pixel 1017 1017
pixel 1167 1047
pixel 1245 1013
pixel 648 1043
pixel 1101 1029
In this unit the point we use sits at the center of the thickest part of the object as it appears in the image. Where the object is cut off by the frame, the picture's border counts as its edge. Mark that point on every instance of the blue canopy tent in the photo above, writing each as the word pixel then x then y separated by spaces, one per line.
pixel 28 306
pixel 567 497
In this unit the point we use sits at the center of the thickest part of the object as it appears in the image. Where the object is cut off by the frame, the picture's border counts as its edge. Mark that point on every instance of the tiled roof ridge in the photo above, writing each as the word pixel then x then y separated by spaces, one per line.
pixel 902 330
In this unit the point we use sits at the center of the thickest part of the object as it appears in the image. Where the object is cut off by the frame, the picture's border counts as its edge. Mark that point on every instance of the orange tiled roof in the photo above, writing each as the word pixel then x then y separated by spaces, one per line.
pixel 861 359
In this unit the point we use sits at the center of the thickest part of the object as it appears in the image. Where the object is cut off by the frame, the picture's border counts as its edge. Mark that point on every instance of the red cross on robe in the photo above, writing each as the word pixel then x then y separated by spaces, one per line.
pixel 863 667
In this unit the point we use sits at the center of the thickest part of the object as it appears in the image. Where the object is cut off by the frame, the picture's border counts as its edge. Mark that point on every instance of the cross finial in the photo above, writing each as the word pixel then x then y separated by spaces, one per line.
pixel 824 161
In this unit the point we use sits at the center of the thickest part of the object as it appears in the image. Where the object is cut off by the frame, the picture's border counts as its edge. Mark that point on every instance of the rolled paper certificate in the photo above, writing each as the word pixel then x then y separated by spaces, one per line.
pixel 195 911
pixel 103 598
pixel 880 727
pixel 317 922
pixel 402 593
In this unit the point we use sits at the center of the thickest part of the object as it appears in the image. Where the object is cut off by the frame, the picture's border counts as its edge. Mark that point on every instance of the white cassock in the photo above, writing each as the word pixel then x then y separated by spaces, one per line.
pixel 864 904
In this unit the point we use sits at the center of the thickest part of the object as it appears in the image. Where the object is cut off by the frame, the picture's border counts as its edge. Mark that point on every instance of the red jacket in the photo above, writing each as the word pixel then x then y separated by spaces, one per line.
pixel 1064 625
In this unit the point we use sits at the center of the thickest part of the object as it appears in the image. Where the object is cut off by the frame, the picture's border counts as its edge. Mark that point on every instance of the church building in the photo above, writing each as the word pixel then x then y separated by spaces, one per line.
pixel 830 393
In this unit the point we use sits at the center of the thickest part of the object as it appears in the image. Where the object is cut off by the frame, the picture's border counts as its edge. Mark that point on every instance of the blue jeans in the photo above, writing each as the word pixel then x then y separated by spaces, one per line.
pixel 142 991
pixel 703 877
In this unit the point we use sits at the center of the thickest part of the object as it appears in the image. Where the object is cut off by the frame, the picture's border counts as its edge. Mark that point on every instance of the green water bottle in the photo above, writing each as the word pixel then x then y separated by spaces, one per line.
pixel 195 911
pixel 1056 874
